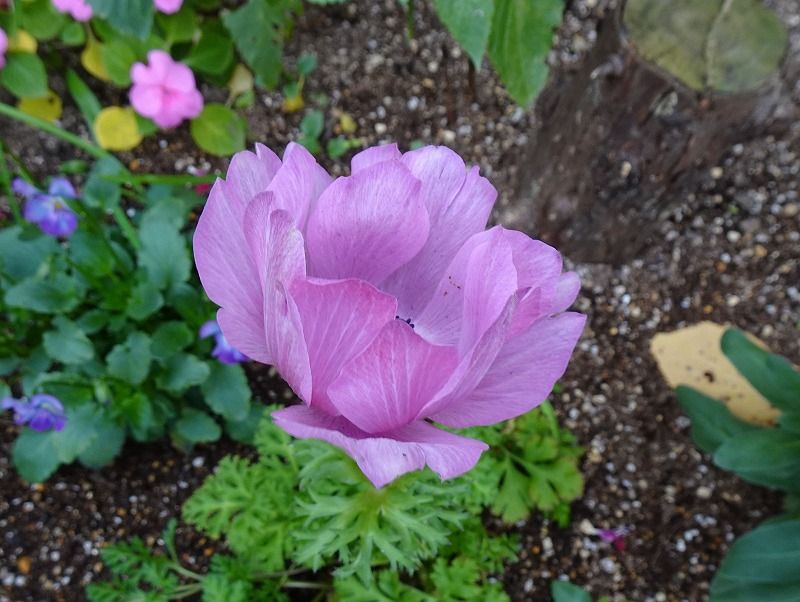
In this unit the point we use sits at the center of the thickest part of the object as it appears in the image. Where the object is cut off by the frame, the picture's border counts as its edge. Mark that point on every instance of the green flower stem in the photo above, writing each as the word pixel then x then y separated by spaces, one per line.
pixel 154 178
pixel 128 231
pixel 54 130
pixel 5 182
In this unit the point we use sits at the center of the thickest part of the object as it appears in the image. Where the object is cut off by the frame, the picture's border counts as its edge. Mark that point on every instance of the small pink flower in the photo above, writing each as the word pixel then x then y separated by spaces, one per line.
pixel 616 537
pixel 79 9
pixel 384 302
pixel 3 48
pixel 164 90
pixel 168 6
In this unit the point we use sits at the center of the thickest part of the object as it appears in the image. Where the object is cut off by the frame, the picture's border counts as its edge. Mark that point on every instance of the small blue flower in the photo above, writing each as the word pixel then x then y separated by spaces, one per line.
pixel 42 412
pixel 223 350
pixel 49 210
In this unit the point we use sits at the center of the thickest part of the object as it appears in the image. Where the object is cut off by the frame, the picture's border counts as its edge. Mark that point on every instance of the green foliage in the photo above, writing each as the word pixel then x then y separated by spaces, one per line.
pixel 218 130
pixel 110 329
pixel 517 33
pixel 133 17
pixel 564 591
pixel 24 75
pixel 721 45
pixel 304 506
pixel 311 129
pixel 536 467
pixel 763 564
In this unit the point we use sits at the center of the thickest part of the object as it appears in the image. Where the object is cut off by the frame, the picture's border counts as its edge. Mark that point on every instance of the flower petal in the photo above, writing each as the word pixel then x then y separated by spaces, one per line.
pixel 522 375
pixel 299 183
pixel 367 225
pixel 459 202
pixel 384 458
pixel 60 186
pixel 37 208
pixel 472 292
pixel 387 385
pixel 147 99
pixel 227 270
pixel 569 285
pixel 340 319
pixel 25 189
pixel 285 261
pixel 372 155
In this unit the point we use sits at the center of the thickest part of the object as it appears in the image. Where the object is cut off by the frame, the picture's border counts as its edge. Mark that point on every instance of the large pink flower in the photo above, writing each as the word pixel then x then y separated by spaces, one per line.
pixel 164 90
pixel 384 303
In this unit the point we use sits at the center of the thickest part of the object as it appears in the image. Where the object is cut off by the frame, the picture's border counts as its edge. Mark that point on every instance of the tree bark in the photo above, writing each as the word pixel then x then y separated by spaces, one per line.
pixel 620 141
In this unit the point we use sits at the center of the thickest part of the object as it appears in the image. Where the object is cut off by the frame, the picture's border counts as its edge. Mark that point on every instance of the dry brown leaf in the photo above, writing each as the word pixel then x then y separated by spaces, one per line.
pixel 692 356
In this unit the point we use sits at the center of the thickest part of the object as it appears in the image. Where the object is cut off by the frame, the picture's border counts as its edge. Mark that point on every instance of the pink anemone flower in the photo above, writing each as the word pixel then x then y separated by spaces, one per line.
pixel 384 303
pixel 164 90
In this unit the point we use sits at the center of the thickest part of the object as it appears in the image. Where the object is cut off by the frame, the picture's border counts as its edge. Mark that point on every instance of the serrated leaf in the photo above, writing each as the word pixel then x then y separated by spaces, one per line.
pixel 130 361
pixel 226 391
pixel 521 37
pixel 170 338
pixel 197 427
pixel 67 343
pixel 159 240
pixel 182 371
pixel 21 253
pixel 34 455
pixel 58 294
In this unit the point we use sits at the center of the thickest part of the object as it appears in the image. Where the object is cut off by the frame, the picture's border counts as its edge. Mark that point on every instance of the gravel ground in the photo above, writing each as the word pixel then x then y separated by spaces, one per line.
pixel 729 252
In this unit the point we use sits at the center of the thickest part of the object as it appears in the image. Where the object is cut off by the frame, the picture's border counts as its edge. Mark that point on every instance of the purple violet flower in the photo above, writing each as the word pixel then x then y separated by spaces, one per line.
pixel 41 412
pixel 223 350
pixel 49 210
pixel 384 302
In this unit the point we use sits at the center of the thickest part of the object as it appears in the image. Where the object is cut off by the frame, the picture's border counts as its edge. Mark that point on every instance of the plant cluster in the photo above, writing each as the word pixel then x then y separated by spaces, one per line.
pixel 304 516
pixel 762 564
pixel 100 332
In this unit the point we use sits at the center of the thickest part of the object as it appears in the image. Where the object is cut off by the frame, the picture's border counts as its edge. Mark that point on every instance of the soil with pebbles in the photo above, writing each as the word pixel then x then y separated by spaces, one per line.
pixel 728 252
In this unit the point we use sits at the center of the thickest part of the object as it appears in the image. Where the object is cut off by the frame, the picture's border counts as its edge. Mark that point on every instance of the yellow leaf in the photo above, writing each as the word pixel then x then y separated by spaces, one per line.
pixel 47 107
pixel 92 60
pixel 241 81
pixel 22 41
pixel 292 104
pixel 692 356
pixel 116 129
pixel 347 124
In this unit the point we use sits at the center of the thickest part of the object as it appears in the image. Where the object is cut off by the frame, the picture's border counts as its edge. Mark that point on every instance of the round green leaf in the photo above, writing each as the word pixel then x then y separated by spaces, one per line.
pixel 197 427
pixel 218 130
pixel 24 75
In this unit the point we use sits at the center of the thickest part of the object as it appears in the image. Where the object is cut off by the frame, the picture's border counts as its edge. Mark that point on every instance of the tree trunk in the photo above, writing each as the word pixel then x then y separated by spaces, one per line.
pixel 620 141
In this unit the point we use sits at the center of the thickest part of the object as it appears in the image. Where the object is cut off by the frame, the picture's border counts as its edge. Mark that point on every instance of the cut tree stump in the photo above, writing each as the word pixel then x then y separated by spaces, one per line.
pixel 623 138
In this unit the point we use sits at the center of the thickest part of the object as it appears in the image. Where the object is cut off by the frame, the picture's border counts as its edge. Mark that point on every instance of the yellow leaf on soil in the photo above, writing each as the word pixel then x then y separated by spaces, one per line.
pixel 292 104
pixel 92 59
pixel 47 107
pixel 22 41
pixel 241 81
pixel 692 356
pixel 347 124
pixel 116 129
